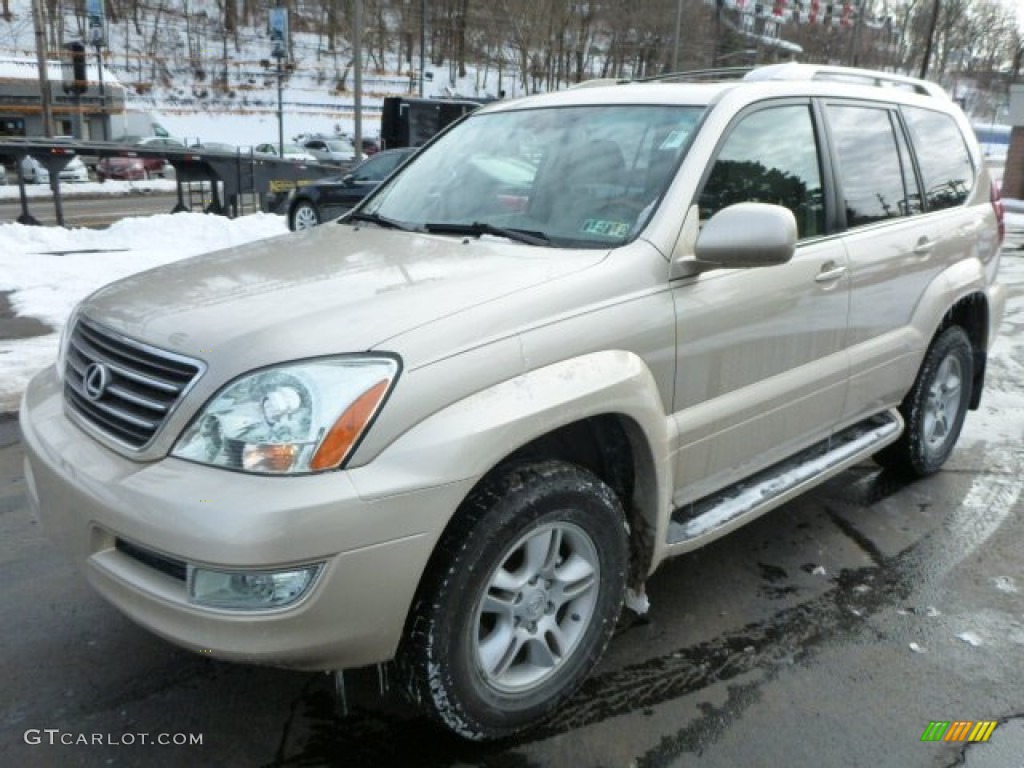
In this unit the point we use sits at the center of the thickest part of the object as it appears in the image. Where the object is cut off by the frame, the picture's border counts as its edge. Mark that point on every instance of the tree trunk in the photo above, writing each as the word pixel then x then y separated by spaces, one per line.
pixel 931 35
pixel 460 36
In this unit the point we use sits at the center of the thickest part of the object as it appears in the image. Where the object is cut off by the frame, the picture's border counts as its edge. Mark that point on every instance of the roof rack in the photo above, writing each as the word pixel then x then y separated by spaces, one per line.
pixel 852 75
pixel 716 73
pixel 788 71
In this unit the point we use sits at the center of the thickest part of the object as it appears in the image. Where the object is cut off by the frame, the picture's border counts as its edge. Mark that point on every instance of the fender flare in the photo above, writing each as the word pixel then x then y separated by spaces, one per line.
pixel 949 287
pixel 467 439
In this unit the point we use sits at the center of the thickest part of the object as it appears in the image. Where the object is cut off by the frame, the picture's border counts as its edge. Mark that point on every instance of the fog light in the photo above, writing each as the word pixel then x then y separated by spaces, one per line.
pixel 249 590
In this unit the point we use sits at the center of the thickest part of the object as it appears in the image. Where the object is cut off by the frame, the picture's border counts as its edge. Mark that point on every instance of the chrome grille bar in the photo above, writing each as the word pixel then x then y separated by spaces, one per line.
pixel 122 387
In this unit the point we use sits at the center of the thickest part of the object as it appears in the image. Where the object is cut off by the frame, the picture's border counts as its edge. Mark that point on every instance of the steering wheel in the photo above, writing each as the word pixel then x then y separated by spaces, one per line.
pixel 629 204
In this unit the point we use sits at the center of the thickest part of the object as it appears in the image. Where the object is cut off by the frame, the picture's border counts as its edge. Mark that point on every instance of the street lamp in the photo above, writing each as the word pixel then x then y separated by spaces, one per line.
pixel 279 37
pixel 97 23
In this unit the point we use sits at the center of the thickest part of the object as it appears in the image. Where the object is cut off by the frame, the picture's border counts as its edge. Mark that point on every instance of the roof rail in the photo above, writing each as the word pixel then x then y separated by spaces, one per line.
pixel 716 73
pixel 852 75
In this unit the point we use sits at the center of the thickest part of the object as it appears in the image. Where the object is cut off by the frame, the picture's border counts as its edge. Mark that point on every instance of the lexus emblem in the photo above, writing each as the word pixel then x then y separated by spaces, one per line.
pixel 95 381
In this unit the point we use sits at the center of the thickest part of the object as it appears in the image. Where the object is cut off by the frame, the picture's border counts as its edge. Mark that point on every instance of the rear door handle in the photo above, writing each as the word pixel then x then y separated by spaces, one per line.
pixel 830 271
pixel 924 246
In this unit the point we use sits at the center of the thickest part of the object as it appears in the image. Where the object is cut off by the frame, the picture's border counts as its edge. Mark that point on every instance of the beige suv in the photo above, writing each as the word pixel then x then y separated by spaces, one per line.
pixel 577 334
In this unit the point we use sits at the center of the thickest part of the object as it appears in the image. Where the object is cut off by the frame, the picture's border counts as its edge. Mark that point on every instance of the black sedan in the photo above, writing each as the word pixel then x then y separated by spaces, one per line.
pixel 329 198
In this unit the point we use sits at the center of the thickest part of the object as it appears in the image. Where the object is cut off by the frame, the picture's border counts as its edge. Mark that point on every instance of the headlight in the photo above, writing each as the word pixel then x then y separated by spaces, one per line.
pixel 301 417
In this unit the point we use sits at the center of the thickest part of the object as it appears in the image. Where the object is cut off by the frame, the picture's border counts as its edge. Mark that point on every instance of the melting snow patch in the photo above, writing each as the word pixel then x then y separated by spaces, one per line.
pixel 970 638
pixel 819 570
pixel 931 611
pixel 637 602
pixel 917 648
pixel 1005 584
pixel 860 589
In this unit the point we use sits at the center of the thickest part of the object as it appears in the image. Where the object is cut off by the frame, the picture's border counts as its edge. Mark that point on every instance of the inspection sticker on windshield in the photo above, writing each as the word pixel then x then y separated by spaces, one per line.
pixel 674 140
pixel 609 228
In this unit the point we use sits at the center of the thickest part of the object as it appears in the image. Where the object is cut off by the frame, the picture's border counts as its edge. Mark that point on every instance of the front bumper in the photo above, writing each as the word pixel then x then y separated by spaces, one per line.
pixel 374 550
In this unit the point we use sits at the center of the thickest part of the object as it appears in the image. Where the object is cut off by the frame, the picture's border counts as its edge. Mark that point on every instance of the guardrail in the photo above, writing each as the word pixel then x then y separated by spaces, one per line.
pixel 231 176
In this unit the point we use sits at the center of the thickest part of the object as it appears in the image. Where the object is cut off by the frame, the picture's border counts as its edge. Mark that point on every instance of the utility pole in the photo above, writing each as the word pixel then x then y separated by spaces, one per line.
pixel 357 46
pixel 423 41
pixel 103 97
pixel 43 64
pixel 675 40
pixel 854 57
pixel 97 20
pixel 279 37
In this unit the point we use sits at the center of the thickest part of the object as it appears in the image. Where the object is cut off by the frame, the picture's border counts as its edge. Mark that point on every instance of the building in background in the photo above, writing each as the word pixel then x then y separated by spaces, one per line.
pixel 83 116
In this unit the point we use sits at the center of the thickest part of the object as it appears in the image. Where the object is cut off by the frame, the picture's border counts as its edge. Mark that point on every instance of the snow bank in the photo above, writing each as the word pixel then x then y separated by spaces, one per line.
pixel 47 270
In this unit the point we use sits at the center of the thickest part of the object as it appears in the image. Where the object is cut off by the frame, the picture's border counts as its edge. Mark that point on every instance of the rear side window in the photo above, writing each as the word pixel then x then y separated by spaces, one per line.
pixel 771 156
pixel 872 176
pixel 942 154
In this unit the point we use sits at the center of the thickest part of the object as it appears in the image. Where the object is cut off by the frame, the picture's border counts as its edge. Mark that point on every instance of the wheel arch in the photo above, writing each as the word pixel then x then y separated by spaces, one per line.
pixel 971 312
pixel 615 448
pixel 612 446
pixel 607 418
pixel 959 296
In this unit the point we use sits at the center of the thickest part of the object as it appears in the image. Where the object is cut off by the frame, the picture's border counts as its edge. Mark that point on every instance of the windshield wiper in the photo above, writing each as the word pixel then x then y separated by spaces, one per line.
pixel 380 221
pixel 530 237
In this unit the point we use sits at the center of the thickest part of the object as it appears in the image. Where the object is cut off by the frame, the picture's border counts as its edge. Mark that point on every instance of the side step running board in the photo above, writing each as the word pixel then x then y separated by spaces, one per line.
pixel 705 520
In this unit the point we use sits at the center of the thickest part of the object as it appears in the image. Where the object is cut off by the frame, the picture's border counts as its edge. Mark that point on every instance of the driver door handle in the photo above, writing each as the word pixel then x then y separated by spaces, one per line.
pixel 830 271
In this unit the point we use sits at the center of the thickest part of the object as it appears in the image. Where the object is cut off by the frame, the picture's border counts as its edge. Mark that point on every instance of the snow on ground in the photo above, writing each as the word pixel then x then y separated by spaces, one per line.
pixel 247 128
pixel 89 188
pixel 47 270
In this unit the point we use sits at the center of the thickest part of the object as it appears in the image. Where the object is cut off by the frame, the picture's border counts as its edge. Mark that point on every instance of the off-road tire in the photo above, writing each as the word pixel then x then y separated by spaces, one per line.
pixel 935 408
pixel 441 657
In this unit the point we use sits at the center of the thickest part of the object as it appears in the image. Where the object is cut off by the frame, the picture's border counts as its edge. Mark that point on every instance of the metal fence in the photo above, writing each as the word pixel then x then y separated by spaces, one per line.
pixel 229 183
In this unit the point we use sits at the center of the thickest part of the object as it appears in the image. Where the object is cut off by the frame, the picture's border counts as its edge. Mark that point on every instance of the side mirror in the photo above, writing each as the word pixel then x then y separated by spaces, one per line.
pixel 747 235
pixel 347 179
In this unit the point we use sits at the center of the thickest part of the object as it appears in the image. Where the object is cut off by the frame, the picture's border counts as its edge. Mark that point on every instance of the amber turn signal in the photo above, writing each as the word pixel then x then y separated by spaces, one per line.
pixel 346 430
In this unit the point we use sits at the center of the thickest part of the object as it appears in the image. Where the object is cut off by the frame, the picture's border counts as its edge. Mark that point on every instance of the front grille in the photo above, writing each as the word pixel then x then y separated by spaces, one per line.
pixel 123 388
pixel 174 568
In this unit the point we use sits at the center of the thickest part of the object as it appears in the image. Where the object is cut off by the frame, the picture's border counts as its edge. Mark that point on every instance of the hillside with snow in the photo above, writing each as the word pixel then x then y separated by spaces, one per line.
pixel 205 84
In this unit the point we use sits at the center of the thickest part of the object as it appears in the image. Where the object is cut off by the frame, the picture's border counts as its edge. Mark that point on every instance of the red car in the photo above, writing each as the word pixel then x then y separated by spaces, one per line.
pixel 138 168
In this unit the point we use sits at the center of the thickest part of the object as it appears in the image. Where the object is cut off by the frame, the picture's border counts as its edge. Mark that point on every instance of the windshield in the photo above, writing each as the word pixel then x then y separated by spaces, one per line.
pixel 580 177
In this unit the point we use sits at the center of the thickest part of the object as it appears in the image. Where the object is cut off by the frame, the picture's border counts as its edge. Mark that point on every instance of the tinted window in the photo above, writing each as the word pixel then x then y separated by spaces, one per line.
pixel 942 154
pixel 379 166
pixel 771 156
pixel 870 172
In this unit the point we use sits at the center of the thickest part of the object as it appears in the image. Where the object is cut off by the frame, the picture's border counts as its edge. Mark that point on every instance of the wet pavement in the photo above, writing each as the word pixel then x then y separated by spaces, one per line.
pixel 830 632
pixel 13 326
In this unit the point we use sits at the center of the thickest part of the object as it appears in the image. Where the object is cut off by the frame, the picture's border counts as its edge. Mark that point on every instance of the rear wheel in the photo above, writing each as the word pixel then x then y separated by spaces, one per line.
pixel 521 602
pixel 935 408
pixel 305 215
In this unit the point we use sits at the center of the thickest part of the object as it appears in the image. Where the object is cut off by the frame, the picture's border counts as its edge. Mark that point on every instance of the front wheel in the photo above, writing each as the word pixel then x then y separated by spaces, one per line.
pixel 305 215
pixel 520 602
pixel 935 408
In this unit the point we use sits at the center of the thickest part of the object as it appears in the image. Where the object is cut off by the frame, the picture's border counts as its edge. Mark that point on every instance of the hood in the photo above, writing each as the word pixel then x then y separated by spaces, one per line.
pixel 332 289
